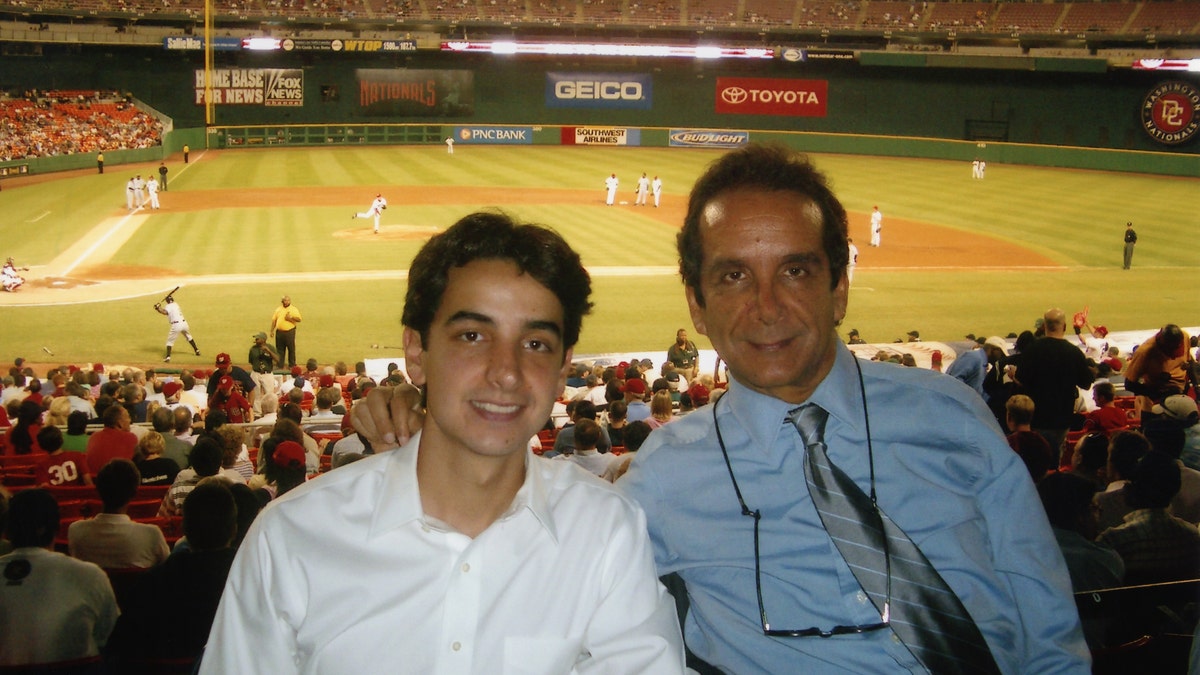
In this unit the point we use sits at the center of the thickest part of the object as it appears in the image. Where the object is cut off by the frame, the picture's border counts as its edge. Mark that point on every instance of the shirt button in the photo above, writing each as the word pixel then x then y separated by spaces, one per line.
pixel 466 567
pixel 456 646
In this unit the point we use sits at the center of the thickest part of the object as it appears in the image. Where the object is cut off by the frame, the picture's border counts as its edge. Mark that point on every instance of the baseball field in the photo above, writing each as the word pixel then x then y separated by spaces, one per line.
pixel 239 228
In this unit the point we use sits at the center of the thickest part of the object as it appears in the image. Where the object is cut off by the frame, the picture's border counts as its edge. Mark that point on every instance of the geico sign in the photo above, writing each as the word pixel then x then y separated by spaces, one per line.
pixel 739 95
pixel 611 91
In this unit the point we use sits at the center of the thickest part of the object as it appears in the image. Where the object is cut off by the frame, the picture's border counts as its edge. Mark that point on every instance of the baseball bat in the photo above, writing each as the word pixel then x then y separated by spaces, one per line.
pixel 169 295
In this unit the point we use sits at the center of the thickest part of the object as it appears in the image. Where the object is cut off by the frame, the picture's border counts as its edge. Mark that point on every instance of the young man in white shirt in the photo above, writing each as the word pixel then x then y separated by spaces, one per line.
pixel 461 551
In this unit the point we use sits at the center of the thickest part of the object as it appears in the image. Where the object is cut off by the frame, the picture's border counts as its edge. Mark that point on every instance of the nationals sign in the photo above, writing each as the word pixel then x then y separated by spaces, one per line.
pixel 771 96
pixel 1171 113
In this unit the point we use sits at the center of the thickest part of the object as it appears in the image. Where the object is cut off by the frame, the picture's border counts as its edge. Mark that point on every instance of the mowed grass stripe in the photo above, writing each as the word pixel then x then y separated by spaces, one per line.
pixel 1073 216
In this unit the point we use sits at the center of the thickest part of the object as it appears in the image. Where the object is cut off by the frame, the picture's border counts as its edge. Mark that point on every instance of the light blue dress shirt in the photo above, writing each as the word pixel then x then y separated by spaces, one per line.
pixel 970 368
pixel 943 474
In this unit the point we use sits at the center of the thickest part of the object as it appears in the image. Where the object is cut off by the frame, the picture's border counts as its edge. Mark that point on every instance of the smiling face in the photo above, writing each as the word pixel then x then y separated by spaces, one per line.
pixel 493 362
pixel 770 307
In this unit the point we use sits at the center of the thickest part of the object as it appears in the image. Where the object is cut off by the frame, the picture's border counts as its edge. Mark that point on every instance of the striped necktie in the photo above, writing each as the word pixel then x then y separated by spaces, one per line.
pixel 923 611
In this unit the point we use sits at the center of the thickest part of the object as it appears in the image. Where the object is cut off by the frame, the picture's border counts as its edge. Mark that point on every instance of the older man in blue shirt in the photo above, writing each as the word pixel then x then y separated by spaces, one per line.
pixel 763 258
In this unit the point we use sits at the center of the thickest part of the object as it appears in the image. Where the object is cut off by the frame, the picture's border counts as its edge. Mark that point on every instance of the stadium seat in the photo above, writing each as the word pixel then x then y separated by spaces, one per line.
pixel 144 508
pixel 21 461
pixel 69 492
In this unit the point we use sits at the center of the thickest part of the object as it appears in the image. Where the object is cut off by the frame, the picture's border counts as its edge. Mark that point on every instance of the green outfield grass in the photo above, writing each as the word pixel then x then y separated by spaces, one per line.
pixel 1073 217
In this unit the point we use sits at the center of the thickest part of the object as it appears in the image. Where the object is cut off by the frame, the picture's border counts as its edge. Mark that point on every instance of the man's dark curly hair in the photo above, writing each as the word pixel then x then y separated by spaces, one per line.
pixel 762 167
pixel 534 249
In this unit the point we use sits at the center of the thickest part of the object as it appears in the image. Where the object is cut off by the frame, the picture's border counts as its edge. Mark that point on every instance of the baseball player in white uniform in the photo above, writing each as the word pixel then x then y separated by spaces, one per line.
pixel 643 189
pixel 656 188
pixel 851 261
pixel 152 189
pixel 374 211
pixel 449 145
pixel 876 225
pixel 179 325
pixel 129 194
pixel 9 277
pixel 611 184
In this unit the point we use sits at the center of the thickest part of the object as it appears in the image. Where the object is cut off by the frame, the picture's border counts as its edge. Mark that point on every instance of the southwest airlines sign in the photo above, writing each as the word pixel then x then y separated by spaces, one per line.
pixel 598 90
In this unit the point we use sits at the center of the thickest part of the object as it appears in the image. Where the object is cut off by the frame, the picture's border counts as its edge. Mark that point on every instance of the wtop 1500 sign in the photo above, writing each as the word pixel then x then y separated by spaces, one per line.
pixel 598 90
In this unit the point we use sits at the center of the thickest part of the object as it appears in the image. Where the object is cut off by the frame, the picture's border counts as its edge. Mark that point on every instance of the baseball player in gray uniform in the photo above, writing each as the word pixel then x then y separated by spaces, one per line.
pixel 139 191
pixel 179 325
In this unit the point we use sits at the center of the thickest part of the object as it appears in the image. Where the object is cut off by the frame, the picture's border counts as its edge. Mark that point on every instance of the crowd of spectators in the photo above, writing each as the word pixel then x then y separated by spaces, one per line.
pixel 1123 498
pixel 52 123
pixel 982 17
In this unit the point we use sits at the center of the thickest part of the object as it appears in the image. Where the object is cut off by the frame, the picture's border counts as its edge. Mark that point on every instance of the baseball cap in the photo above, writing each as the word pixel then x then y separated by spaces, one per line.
pixel 1101 331
pixel 297 371
pixel 171 388
pixel 1179 407
pixel 997 342
pixel 700 394
pixel 913 333
pixel 326 380
pixel 223 359
pixel 660 385
pixel 635 386
pixel 226 382
pixel 260 336
pixel 289 455
pixel 98 367
pixel 854 331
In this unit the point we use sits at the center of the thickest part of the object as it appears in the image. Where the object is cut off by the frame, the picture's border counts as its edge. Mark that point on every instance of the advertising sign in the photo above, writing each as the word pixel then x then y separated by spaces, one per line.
pixel 494 135
pixel 599 90
pixel 416 93
pixel 771 96
pixel 708 138
pixel 253 86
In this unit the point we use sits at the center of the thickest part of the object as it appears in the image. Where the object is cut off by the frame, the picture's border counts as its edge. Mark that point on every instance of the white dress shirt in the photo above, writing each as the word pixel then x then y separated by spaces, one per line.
pixel 347 574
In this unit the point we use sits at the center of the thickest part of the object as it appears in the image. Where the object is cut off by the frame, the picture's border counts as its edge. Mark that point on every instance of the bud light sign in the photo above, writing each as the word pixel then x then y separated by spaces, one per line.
pixel 598 90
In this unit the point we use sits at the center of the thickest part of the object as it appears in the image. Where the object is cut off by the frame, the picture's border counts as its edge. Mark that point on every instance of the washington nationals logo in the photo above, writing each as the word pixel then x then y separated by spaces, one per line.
pixel 1171 113
pixel 734 95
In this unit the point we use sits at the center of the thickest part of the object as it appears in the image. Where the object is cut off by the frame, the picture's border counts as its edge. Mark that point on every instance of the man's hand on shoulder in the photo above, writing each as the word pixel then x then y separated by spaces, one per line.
pixel 389 416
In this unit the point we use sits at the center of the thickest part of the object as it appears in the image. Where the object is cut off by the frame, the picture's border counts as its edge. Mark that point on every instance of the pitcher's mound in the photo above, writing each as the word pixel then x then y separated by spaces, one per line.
pixel 388 233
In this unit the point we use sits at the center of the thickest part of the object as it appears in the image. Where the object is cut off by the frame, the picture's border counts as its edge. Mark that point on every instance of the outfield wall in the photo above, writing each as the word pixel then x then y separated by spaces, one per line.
pixel 1027 115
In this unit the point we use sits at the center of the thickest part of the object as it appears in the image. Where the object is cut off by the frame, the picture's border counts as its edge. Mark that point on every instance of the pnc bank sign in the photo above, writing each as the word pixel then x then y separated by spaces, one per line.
pixel 772 96
pixel 599 90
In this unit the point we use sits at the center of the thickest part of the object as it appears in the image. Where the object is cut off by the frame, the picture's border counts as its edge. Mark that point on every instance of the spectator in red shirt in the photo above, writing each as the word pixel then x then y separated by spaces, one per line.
pixel 1106 418
pixel 227 399
pixel 114 440
pixel 61 467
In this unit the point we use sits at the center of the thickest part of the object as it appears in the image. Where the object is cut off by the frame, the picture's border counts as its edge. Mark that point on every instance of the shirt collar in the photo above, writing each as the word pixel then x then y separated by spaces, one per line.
pixel 399 501
pixel 763 416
